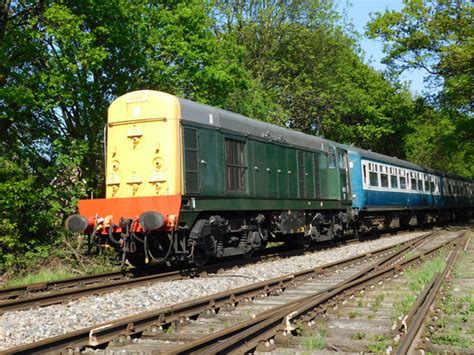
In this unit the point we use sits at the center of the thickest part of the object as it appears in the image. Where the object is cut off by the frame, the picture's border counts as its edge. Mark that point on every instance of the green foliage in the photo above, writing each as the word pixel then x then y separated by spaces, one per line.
pixel 418 278
pixel 354 314
pixel 31 211
pixel 311 73
pixel 44 276
pixel 290 62
pixel 436 36
pixel 377 302
pixel 452 338
pixel 61 65
pixel 314 342
pixel 402 306
pixel 358 336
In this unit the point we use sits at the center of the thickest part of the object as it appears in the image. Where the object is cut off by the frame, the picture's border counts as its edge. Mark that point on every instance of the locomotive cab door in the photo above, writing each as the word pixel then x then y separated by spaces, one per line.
pixel 343 166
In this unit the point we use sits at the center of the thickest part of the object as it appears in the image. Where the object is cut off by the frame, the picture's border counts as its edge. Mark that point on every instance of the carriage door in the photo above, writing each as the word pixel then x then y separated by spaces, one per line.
pixel 343 174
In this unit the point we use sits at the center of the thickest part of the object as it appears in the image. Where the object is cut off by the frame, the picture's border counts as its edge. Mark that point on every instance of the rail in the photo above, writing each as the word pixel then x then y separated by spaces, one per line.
pixel 94 336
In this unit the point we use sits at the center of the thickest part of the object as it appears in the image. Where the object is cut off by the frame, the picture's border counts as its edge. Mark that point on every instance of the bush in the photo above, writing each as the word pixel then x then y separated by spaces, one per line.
pixel 33 206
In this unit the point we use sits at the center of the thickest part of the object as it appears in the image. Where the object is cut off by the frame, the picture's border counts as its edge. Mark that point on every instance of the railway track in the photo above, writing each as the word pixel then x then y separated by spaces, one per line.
pixel 159 322
pixel 45 294
pixel 284 329
pixel 278 328
pixel 449 321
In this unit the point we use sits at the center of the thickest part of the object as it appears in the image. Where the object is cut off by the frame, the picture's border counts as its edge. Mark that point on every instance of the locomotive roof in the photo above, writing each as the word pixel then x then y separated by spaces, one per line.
pixel 222 119
pixel 218 118
pixel 233 122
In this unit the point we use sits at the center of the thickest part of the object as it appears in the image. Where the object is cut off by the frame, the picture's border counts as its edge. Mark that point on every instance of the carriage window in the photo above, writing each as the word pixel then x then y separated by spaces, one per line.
pixel 413 184
pixel 235 162
pixel 394 181
pixel 432 186
pixel 374 179
pixel 365 173
pixel 384 180
pixel 403 182
pixel 420 185
pixel 427 185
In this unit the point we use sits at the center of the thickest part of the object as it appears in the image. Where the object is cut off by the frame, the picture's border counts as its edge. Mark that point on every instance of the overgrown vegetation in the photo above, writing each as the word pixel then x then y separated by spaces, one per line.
pixel 418 278
pixel 379 344
pixel 457 310
pixel 315 339
pixel 293 63
pixel 377 302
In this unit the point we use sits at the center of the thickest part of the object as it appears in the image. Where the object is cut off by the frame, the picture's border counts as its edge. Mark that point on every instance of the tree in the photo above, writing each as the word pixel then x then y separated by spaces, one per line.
pixel 309 68
pixel 436 36
pixel 61 65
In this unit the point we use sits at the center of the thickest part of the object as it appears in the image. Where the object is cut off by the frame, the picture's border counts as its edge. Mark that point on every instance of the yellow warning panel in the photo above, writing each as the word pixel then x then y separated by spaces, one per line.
pixel 143 152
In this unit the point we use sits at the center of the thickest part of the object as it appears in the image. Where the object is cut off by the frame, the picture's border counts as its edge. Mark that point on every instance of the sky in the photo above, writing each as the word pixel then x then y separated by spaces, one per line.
pixel 359 11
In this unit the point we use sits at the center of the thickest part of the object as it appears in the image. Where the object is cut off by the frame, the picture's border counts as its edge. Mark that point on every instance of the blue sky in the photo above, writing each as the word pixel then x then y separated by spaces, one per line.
pixel 359 11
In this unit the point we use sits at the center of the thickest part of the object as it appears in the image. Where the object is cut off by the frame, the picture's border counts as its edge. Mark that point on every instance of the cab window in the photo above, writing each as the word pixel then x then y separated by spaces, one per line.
pixel 341 160
pixel 332 158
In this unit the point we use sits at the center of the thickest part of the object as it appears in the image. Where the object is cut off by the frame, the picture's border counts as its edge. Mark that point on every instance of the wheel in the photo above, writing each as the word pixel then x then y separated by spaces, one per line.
pixel 200 257
pixel 137 260
pixel 248 254
pixel 306 241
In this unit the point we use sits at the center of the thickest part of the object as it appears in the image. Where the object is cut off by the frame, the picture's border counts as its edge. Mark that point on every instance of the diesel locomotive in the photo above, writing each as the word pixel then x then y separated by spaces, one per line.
pixel 186 182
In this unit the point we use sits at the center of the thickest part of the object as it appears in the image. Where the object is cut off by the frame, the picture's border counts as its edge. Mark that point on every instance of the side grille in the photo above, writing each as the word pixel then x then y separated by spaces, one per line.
pixel 191 164
pixel 317 175
pixel 301 176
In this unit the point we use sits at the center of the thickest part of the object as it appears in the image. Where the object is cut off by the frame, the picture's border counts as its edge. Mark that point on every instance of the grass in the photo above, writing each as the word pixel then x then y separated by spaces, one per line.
pixel 380 346
pixel 48 273
pixel 42 276
pixel 420 277
pixel 377 303
pixel 452 338
pixel 403 306
pixel 358 336
pixel 314 342
pixel 417 279
pixel 354 314
pixel 456 312
pixel 316 339
pixel 378 338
